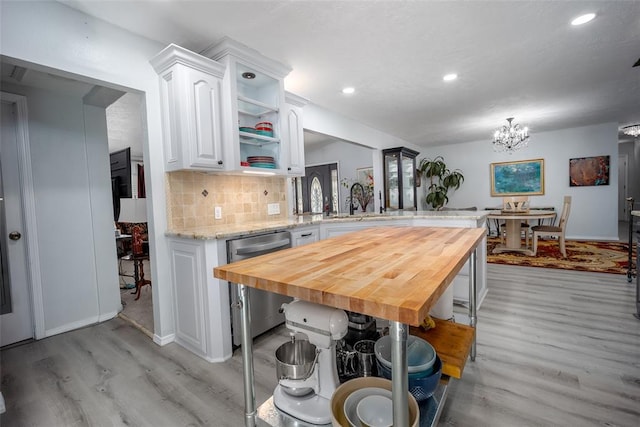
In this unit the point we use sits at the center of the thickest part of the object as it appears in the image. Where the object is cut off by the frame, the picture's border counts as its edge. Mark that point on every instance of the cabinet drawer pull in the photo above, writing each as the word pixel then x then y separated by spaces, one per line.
pixel 306 235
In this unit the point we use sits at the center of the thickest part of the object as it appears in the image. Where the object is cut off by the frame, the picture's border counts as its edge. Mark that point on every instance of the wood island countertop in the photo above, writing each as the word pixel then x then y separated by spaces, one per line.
pixel 395 273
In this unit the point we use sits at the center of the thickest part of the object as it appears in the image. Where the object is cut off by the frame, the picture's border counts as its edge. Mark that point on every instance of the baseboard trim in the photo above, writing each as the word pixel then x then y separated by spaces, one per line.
pixel 107 316
pixel 71 326
pixel 161 341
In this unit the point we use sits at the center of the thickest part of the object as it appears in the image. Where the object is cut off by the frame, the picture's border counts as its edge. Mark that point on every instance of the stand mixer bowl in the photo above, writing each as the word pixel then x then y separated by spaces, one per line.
pixel 295 360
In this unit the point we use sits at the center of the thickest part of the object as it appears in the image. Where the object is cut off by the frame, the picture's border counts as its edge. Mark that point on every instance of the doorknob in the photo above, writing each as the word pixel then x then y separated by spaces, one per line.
pixel 14 235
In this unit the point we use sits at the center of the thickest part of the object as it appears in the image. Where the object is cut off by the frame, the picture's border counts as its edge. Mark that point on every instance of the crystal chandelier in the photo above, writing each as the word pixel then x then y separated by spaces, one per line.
pixel 633 130
pixel 510 138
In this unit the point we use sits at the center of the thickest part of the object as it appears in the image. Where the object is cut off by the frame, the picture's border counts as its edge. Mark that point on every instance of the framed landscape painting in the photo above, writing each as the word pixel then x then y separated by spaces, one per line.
pixel 525 177
pixel 589 171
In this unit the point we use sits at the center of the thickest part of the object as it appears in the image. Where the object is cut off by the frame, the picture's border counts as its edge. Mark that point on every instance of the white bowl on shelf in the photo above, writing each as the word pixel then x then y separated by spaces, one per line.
pixel 338 417
pixel 353 400
pixel 375 411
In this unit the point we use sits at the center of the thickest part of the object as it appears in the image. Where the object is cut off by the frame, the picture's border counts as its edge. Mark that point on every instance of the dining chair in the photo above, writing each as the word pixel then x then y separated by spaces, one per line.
pixel 554 230
pixel 515 204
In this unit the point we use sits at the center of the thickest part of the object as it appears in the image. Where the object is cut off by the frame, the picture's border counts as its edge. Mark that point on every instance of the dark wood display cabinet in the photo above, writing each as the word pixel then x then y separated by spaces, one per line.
pixel 400 178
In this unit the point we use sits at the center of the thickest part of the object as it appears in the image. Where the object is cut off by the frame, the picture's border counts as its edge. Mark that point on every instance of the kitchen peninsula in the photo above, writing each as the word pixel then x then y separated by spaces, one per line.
pixel 201 304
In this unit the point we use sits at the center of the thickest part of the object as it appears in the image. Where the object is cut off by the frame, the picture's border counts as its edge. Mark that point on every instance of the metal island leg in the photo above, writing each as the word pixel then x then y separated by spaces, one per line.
pixel 472 300
pixel 399 373
pixel 247 357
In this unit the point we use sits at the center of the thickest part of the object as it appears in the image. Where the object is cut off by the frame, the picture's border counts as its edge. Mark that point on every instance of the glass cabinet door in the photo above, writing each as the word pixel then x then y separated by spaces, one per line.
pixel 391 182
pixel 408 181
pixel 400 178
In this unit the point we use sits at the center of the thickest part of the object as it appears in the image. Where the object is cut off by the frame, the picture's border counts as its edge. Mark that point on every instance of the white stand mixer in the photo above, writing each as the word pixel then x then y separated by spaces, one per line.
pixel 323 326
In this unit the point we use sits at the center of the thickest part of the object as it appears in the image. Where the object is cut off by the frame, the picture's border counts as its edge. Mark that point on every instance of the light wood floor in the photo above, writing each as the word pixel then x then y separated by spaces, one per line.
pixel 555 348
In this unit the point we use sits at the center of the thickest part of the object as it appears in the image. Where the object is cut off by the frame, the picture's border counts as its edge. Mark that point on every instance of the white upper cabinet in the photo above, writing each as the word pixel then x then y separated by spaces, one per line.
pixel 254 108
pixel 193 122
pixel 225 110
pixel 294 134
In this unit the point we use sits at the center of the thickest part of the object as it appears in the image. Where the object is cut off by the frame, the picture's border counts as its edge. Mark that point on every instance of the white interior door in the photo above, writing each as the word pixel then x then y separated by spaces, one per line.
pixel 16 320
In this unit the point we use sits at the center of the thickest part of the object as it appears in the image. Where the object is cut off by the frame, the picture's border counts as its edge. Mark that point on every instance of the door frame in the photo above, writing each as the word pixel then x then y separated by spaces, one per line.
pixel 337 163
pixel 623 193
pixel 30 233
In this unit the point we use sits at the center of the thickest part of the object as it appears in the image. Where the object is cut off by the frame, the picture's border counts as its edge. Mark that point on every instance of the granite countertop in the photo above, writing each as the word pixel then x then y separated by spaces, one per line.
pixel 234 230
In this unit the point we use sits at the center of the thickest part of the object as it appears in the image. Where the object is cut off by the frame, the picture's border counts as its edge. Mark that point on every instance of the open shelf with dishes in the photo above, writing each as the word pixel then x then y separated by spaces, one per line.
pixel 258 103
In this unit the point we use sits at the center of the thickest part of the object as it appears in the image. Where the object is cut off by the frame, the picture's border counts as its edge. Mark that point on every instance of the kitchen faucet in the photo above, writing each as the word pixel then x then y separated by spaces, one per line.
pixel 351 208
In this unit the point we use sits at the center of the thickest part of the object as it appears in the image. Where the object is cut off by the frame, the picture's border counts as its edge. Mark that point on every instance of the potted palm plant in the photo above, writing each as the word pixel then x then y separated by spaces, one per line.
pixel 441 180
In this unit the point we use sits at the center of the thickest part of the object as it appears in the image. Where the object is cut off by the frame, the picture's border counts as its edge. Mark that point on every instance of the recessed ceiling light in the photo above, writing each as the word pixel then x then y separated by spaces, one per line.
pixel 348 90
pixel 450 77
pixel 583 19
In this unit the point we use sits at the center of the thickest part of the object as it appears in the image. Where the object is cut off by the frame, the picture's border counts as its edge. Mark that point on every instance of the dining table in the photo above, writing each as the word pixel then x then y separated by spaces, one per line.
pixel 395 273
pixel 513 221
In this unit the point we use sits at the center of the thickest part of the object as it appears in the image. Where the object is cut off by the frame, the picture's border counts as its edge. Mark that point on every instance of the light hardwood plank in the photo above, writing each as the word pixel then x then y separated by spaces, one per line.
pixel 555 348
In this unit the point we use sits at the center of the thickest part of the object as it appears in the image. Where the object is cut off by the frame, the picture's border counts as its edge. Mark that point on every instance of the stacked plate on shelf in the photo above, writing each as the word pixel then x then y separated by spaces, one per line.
pixel 261 162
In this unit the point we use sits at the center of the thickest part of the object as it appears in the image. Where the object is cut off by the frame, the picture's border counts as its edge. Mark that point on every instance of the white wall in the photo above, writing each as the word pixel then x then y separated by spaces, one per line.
pixel 593 210
pixel 72 188
pixel 320 120
pixel 61 40
pixel 102 233
pixel 349 158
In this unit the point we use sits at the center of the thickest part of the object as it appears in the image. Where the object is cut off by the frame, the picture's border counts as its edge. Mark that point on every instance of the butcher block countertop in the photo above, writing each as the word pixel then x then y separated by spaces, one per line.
pixel 395 273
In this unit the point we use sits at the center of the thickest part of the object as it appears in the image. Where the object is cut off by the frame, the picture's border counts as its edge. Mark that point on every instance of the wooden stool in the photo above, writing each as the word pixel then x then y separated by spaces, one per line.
pixel 138 256
pixel 138 268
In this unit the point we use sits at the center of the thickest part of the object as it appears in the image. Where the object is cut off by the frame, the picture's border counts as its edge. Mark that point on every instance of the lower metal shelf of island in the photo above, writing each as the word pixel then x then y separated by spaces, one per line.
pixel 430 410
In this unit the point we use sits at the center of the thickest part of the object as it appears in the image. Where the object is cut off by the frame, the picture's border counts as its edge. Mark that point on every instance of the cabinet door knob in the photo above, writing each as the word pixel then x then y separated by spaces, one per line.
pixel 288 169
pixel 219 162
pixel 14 235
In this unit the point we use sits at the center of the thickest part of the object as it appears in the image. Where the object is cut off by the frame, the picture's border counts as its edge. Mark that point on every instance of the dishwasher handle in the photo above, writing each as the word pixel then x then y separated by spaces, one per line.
pixel 248 250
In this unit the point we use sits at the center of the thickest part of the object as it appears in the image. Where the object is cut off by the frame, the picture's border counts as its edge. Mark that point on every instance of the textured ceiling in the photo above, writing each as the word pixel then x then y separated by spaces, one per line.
pixel 513 58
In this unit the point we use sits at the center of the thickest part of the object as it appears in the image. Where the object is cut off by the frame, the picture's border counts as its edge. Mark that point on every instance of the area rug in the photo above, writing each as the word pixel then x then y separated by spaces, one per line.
pixel 601 257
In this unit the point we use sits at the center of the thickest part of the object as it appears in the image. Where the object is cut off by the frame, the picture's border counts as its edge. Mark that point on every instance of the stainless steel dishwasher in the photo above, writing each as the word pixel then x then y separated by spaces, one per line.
pixel 265 306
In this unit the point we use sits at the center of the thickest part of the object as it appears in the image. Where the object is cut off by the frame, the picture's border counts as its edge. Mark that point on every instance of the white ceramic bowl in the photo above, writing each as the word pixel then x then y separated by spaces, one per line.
pixel 352 401
pixel 338 418
pixel 375 411
pixel 420 354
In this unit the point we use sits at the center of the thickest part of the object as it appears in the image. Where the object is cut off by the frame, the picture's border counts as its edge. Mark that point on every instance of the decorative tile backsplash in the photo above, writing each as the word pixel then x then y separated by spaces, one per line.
pixel 192 196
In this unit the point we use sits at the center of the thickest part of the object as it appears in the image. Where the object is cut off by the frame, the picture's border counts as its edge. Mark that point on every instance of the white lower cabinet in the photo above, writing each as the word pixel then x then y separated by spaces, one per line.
pixel 201 302
pixel 304 235
pixel 332 230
